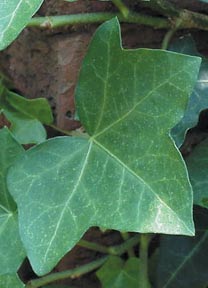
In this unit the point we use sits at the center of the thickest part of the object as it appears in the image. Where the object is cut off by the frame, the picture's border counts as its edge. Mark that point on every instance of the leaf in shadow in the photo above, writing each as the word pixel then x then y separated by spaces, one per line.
pixel 199 97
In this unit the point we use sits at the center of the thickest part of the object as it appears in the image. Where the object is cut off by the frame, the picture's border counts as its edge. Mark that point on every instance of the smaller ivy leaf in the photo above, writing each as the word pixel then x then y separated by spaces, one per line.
pixel 197 164
pixel 119 274
pixel 36 108
pixel 199 98
pixel 14 16
pixel 26 116
pixel 183 260
pixel 11 249
pixel 10 280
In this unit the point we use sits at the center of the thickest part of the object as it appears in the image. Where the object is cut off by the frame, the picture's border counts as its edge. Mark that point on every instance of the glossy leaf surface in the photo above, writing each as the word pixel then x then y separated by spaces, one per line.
pixel 119 274
pixel 184 260
pixel 11 249
pixel 197 164
pixel 14 16
pixel 26 116
pixel 199 98
pixel 10 281
pixel 128 175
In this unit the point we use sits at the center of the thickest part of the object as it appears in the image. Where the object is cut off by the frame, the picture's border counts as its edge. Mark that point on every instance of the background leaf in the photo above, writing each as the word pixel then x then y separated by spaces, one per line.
pixel 10 281
pixel 11 249
pixel 26 116
pixel 58 286
pixel 14 16
pixel 197 164
pixel 117 273
pixel 183 261
pixel 128 175
pixel 199 97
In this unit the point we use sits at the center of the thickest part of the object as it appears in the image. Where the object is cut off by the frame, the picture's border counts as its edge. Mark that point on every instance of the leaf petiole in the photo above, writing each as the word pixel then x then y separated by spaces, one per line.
pixel 73 273
pixel 112 250
pixel 126 236
pixel 121 7
pixel 143 254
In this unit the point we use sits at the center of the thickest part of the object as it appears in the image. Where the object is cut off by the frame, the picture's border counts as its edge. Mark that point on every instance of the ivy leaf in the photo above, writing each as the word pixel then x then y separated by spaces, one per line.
pixel 197 164
pixel 11 249
pixel 14 16
pixel 183 261
pixel 10 280
pixel 199 98
pixel 128 175
pixel 117 273
pixel 26 116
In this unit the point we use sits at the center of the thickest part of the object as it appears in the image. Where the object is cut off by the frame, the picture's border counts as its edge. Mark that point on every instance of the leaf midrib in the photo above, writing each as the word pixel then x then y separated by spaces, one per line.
pixel 67 202
pixel 137 104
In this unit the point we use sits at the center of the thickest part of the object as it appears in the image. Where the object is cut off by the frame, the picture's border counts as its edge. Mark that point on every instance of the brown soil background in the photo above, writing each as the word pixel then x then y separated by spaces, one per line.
pixel 47 63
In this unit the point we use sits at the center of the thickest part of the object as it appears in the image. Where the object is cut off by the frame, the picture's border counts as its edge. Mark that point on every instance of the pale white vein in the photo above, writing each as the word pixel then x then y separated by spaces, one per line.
pixel 67 203
pixel 12 18
pixel 141 180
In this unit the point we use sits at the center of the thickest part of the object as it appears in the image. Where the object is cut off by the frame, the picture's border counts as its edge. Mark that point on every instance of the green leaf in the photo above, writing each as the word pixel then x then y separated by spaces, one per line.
pixel 199 98
pixel 10 281
pixel 197 164
pixel 128 175
pixel 11 249
pixel 119 274
pixel 14 16
pixel 26 116
pixel 183 261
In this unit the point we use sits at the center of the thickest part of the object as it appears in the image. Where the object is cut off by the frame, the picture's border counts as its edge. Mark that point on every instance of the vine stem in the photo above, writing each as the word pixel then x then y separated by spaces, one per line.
pixel 169 34
pixel 122 248
pixel 112 250
pixel 143 254
pixel 130 251
pixel 189 19
pixel 121 7
pixel 93 246
pixel 74 273
pixel 167 38
pixel 87 18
